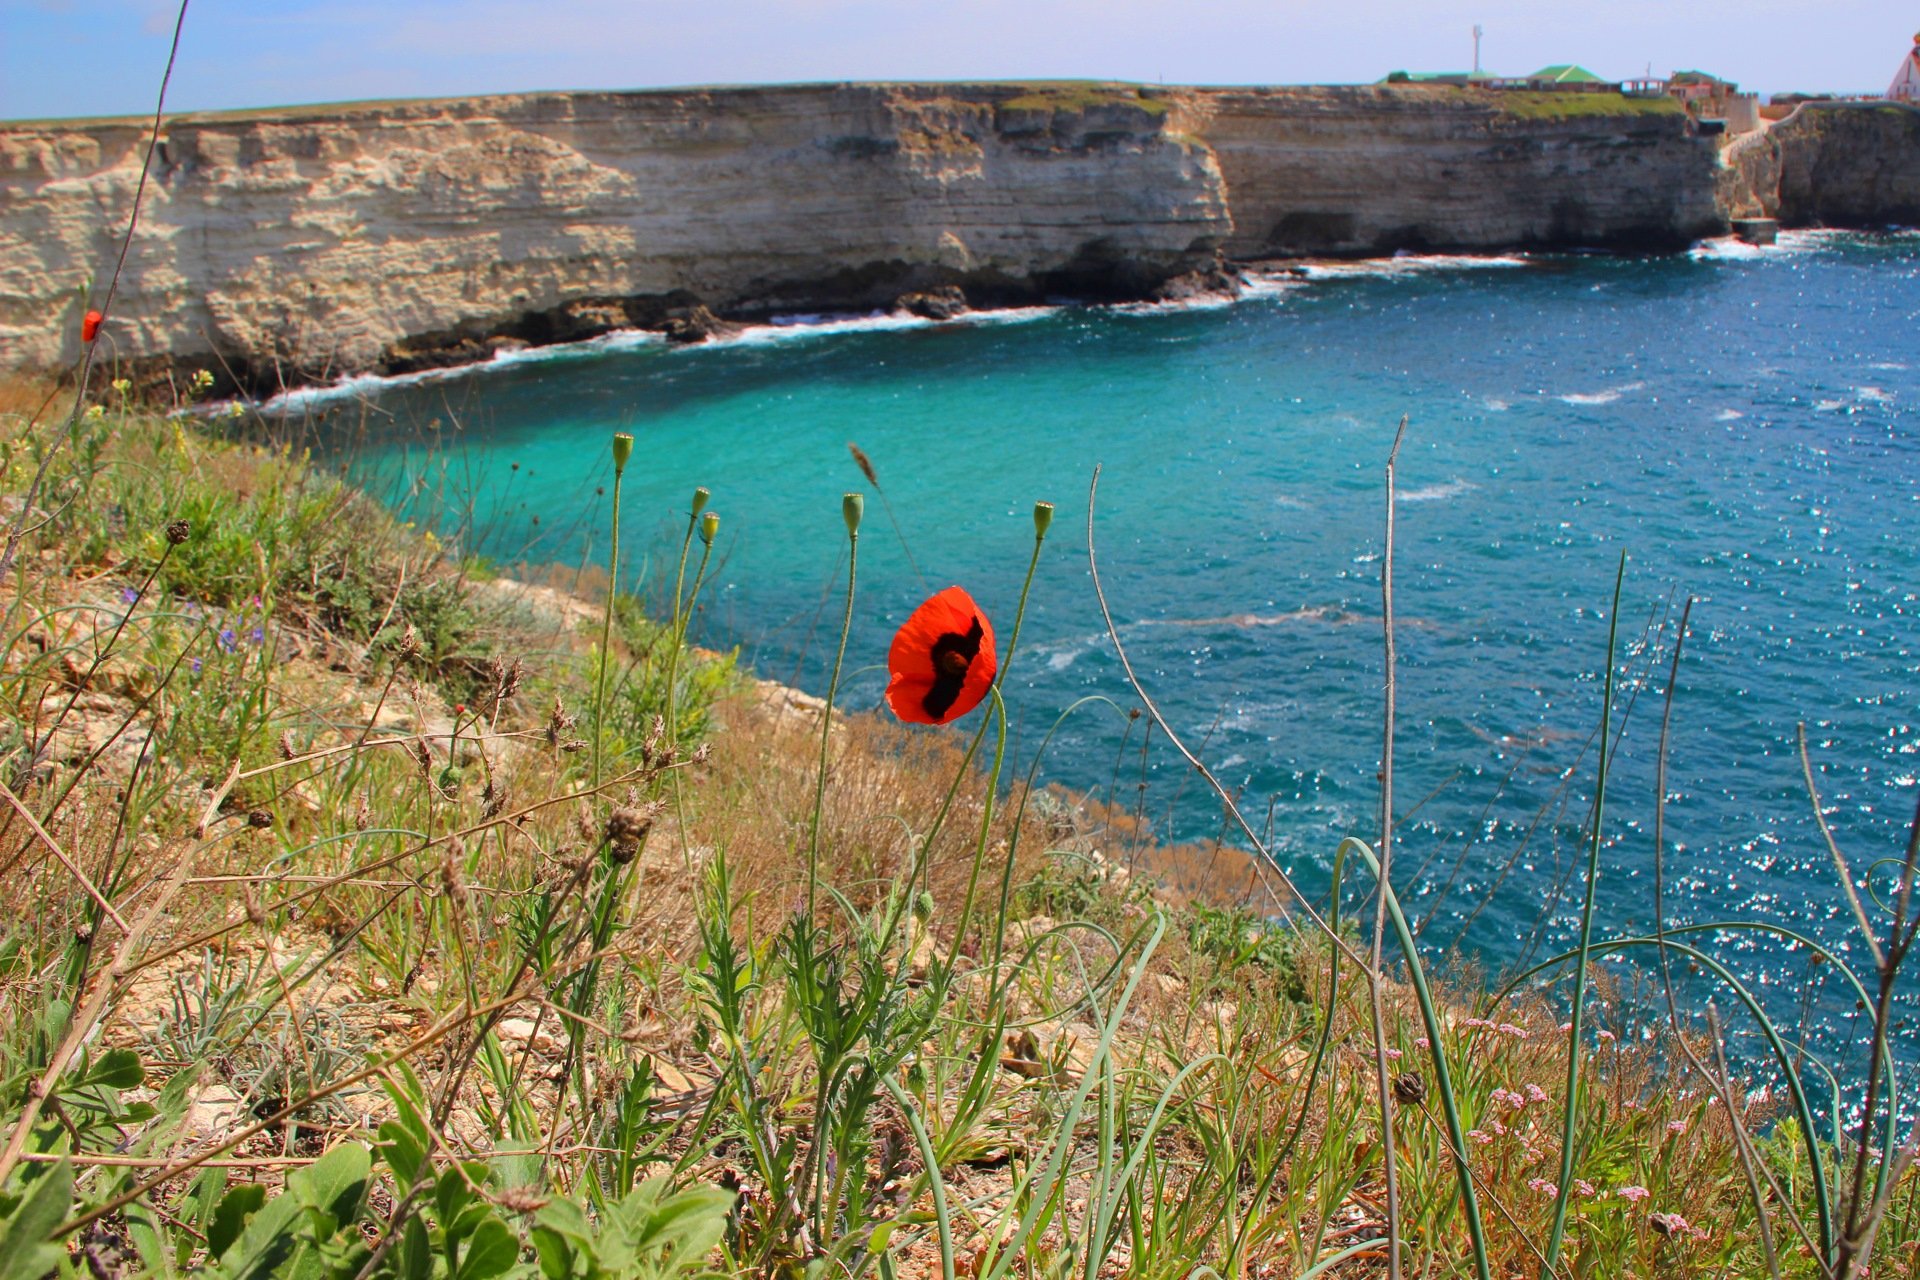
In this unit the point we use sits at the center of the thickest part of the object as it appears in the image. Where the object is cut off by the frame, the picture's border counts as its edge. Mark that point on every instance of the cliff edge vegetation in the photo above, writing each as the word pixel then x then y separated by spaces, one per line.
pixel 376 915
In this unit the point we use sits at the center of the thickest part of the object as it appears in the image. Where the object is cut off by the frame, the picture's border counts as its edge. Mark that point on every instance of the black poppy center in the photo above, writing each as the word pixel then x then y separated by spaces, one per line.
pixel 953 654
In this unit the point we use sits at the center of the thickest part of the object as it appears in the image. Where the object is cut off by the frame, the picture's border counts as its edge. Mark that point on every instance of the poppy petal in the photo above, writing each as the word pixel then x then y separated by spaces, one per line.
pixel 942 661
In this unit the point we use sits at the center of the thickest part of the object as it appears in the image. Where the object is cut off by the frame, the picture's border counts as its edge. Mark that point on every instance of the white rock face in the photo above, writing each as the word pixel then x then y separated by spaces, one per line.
pixel 300 244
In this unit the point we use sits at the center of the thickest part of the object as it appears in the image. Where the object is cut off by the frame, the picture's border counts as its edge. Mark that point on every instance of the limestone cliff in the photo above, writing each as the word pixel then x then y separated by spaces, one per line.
pixel 300 244
pixel 1379 168
pixel 1830 165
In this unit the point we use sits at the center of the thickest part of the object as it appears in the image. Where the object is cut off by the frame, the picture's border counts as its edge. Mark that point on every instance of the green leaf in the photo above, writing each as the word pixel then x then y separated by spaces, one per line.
pixel 492 1250
pixel 450 1196
pixel 230 1217
pixel 555 1254
pixel 335 1182
pixel 116 1069
pixel 25 1251
pixel 404 1153
pixel 416 1250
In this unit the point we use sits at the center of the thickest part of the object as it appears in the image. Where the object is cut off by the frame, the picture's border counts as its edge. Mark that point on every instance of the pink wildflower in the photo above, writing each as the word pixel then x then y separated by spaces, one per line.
pixel 1584 1187
pixel 1536 1094
pixel 1676 1126
pixel 1475 1135
pixel 1508 1029
pixel 1633 1194
pixel 1423 1042
pixel 1604 1035
pixel 1544 1187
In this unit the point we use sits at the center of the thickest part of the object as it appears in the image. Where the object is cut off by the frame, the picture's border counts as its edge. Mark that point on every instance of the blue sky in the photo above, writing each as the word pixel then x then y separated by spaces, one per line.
pixel 104 57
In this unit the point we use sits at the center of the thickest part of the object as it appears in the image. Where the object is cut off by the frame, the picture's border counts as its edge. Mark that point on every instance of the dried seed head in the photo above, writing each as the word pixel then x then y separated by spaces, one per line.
pixel 255 912
pixel 520 1200
pixel 288 749
pixel 558 722
pixel 453 881
pixel 178 532
pixel 362 814
pixel 409 642
pixel 865 463
pixel 493 798
pixel 627 830
pixel 1409 1089
pixel 421 756
pixel 259 819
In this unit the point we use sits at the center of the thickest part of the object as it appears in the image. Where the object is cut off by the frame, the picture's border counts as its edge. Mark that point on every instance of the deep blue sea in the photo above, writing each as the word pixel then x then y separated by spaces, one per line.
pixel 1742 424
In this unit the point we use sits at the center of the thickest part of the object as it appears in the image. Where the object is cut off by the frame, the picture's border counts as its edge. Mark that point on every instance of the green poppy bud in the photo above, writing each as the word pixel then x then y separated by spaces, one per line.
pixel 1042 518
pixel 700 497
pixel 622 450
pixel 709 525
pixel 851 508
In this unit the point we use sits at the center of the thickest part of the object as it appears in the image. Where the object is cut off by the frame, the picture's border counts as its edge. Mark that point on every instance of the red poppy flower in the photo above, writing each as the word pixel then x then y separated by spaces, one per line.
pixel 942 660
pixel 90 325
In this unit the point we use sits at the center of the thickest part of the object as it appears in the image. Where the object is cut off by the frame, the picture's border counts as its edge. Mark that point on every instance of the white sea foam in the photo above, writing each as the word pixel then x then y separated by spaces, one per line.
pixel 799 328
pixel 1730 249
pixel 1209 302
pixel 1728 415
pixel 1829 406
pixel 367 384
pixel 1877 395
pixel 1409 264
pixel 1497 406
pixel 1271 284
pixel 1608 396
pixel 1436 492
pixel 1786 244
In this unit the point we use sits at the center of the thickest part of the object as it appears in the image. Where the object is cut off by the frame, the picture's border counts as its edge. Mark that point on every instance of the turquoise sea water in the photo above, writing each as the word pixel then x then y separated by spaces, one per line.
pixel 1744 425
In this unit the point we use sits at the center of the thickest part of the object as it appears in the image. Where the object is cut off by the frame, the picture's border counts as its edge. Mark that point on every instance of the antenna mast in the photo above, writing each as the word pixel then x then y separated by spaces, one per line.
pixel 1477 32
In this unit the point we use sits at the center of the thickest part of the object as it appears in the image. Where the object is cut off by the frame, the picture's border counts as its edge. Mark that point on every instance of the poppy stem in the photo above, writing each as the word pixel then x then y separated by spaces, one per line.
pixel 826 715
pixel 681 618
pixel 999 755
pixel 620 455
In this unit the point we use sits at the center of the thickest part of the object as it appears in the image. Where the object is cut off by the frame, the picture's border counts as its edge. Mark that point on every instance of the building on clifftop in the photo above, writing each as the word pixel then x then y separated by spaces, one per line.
pixel 1906 81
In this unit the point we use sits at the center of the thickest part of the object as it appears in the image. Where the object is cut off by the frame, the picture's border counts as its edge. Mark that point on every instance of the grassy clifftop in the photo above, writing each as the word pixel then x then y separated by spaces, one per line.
pixel 360 933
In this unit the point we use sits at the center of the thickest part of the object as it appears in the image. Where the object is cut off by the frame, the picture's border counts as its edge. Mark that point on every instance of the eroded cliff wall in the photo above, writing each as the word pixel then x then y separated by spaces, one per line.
pixel 300 244
pixel 306 242
pixel 1831 165
pixel 1376 169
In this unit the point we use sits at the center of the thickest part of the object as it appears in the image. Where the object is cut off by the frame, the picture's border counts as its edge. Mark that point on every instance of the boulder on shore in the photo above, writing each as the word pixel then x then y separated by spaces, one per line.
pixel 942 303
